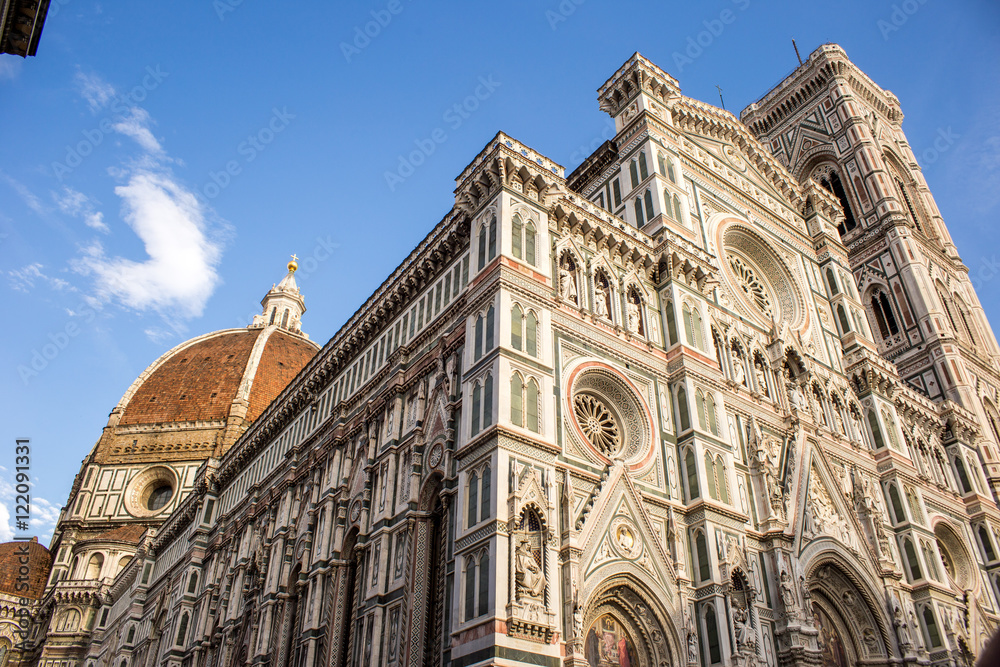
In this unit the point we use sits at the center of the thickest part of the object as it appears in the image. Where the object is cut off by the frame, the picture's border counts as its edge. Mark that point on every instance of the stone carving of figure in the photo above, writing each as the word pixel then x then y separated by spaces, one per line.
pixel 567 280
pixel 913 624
pixel 671 535
pixel 787 593
pixel 899 621
pixel 633 316
pixel 761 375
pixel 739 372
pixel 692 647
pixel 775 491
pixel 601 298
pixel 795 397
pixel 530 579
pixel 741 628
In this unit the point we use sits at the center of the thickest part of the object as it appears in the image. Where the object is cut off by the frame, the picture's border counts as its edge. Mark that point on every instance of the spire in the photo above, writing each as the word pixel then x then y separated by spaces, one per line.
pixel 283 304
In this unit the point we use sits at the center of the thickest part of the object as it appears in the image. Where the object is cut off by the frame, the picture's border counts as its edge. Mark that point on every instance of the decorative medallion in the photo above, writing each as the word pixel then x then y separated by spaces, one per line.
pixel 435 456
pixel 356 511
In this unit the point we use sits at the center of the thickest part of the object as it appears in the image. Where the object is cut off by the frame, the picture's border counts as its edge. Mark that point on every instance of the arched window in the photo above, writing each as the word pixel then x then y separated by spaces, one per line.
pixel 963 476
pixel 516 398
pixel 473 499
pixel 671 323
pixel 831 279
pixel 284 319
pixel 688 325
pixel 699 401
pixel 671 174
pixel 704 567
pixel 531 405
pixel 712 630
pixel 933 635
pixel 94 567
pixel 699 339
pixel 666 200
pixel 516 234
pixel 488 401
pixel 912 564
pixel 876 430
pixel 182 629
pixel 909 205
pixel 720 469
pixel 661 163
pixel 677 209
pixel 691 475
pixel 984 538
pixel 964 316
pixel 529 243
pixel 639 219
pixel 643 169
pixel 884 316
pixel 274 314
pixel 833 184
pixel 490 316
pixel 710 476
pixel 493 238
pixel 486 499
pixel 682 407
pixel 516 325
pixel 481 255
pixel 531 331
pixel 890 427
pixel 484 583
pixel 478 344
pixel 193 583
pixel 648 200
pixel 633 173
pixel 899 516
pixel 470 587
pixel 845 328
pixel 477 401
pixel 713 424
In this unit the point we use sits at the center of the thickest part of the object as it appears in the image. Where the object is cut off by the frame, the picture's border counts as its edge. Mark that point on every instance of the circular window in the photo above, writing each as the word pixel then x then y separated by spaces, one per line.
pixel 159 497
pixel 598 423
pixel 608 414
pixel 759 278
pixel 150 491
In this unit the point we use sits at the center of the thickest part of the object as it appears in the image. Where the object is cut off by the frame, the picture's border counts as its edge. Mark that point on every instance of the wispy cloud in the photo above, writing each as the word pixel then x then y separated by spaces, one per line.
pixel 25 278
pixel 26 195
pixel 43 513
pixel 183 252
pixel 79 205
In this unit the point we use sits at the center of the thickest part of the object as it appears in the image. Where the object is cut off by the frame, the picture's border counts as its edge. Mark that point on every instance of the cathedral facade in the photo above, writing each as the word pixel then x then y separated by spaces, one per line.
pixel 723 395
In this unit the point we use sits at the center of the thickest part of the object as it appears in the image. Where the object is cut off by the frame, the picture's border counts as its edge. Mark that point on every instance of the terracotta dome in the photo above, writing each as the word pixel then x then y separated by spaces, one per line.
pixel 198 398
pixel 38 566
pixel 199 380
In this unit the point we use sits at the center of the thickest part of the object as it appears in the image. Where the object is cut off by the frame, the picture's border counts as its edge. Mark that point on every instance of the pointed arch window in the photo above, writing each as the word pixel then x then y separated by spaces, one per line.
pixel 964 316
pixel 493 238
pixel 484 583
pixel 516 326
pixel 987 543
pixel 193 583
pixel 473 499
pixel 876 429
pixel 933 635
pixel 490 316
pixel 701 547
pixel 531 405
pixel 524 330
pixel 643 169
pixel 671 173
pixel 912 564
pixel 688 325
pixel 667 208
pixel 633 173
pixel 481 254
pixel 516 400
pixel 899 516
pixel 661 163
pixel 639 219
pixel 691 475
pixel 845 327
pixel 677 209
pixel 529 243
pixel 470 587
pixel 477 400
pixel 648 200
pixel 531 331
pixel 682 407
pixel 523 239
pixel 478 344
pixel 274 314
pixel 516 240
pixel 831 279
pixel 712 630
pixel 182 629
pixel 486 498
pixel 488 402
pixel 884 316
pixel 699 400
pixel 833 184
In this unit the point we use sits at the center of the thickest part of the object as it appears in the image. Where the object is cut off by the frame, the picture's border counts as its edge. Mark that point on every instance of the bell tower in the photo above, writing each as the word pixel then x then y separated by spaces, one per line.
pixel 829 122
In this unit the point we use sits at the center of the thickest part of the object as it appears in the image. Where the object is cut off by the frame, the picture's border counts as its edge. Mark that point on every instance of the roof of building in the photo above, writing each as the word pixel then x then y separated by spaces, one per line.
pixel 39 563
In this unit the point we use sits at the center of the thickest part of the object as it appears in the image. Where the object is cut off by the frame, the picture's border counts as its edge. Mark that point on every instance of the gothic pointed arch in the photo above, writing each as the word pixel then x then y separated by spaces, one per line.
pixel 622 616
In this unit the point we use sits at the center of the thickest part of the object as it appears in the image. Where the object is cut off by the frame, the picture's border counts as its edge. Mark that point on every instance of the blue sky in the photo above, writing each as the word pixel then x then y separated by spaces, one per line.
pixel 161 160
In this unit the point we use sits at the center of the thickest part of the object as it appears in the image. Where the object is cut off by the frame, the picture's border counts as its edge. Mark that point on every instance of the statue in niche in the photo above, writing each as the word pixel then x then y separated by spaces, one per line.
pixel 530 579
pixel 739 372
pixel 634 310
pixel 692 647
pixel 899 622
pixel 796 398
pixel 567 280
pixel 741 627
pixel 602 296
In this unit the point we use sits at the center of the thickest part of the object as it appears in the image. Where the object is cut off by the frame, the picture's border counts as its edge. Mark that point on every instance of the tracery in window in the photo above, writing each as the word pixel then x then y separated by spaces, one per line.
pixel 751 285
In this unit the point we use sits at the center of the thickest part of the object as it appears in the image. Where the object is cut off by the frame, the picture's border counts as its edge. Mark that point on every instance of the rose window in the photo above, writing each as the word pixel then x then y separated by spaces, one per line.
pixel 598 423
pixel 751 285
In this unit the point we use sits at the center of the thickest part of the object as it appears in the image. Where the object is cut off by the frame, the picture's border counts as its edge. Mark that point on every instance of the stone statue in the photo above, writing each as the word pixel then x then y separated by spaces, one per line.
pixel 787 593
pixel 567 283
pixel 739 372
pixel 899 621
pixel 600 298
pixel 692 647
pixel 530 579
pixel 761 376
pixel 795 397
pixel 741 628
pixel 633 317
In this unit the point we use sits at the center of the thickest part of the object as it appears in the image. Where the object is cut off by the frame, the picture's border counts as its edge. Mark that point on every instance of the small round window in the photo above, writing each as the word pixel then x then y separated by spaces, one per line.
pixel 159 497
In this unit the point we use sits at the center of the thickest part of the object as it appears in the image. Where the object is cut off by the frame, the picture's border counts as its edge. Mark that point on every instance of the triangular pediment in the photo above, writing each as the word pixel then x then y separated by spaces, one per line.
pixel 618 532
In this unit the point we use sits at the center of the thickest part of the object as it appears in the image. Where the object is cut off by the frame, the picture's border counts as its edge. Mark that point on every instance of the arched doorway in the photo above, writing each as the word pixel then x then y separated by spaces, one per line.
pixel 851 631
pixel 622 628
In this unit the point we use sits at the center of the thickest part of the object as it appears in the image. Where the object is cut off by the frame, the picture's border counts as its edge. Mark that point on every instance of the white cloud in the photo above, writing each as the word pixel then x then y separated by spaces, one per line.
pixel 24 279
pixel 136 125
pixel 26 195
pixel 75 203
pixel 180 274
pixel 95 90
